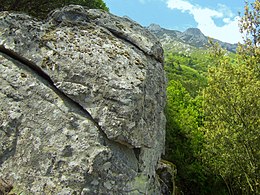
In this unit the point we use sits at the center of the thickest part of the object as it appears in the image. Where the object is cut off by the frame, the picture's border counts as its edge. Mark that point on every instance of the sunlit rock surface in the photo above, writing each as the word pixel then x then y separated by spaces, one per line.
pixel 82 98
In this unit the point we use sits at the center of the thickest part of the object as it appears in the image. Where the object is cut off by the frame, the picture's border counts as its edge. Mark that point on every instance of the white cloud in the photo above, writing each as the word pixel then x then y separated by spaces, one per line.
pixel 226 20
pixel 204 17
pixel 181 5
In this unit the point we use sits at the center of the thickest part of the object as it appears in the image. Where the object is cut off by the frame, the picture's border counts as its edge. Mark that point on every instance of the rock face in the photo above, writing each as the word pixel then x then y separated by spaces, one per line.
pixel 82 98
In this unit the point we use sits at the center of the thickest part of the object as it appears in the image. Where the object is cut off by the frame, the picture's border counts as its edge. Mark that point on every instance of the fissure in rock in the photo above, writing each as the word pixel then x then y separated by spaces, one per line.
pixel 14 56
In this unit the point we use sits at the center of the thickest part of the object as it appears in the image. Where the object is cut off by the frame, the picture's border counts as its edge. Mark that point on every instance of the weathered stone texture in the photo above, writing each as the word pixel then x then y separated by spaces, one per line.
pixel 82 98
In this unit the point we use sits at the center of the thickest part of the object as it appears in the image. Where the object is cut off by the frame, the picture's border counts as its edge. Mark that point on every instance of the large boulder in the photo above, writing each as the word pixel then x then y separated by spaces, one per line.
pixel 82 99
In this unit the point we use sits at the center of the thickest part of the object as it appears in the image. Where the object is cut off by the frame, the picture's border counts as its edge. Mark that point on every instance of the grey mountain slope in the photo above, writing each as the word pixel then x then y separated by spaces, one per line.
pixel 191 37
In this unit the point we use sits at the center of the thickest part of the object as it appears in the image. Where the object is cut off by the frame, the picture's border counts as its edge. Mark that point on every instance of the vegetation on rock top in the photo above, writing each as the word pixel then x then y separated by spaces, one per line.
pixel 41 8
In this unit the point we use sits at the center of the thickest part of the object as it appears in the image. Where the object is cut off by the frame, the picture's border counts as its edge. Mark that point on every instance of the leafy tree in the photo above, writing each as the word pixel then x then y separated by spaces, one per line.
pixel 187 77
pixel 232 111
pixel 40 8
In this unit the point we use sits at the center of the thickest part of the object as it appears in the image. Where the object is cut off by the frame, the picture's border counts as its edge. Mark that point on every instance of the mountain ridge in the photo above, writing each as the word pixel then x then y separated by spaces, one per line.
pixel 191 37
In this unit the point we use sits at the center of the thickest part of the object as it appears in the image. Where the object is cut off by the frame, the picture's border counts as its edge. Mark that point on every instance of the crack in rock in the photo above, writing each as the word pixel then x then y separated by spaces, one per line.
pixel 47 78
pixel 62 95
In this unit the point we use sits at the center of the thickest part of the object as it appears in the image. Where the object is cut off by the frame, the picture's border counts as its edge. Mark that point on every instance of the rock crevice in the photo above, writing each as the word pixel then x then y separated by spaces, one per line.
pixel 13 55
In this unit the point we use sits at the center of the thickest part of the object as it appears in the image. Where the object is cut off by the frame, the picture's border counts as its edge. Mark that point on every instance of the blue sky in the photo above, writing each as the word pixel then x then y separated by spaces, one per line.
pixel 215 18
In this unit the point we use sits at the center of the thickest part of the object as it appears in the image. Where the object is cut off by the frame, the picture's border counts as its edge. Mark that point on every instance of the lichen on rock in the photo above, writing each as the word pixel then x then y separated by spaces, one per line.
pixel 82 100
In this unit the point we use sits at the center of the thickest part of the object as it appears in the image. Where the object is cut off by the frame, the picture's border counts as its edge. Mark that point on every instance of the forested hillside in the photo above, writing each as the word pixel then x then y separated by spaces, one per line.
pixel 187 77
pixel 213 114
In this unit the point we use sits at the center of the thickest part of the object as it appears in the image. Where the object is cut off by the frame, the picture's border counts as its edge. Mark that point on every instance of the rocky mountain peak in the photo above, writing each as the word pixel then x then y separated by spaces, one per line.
pixel 194 32
pixel 154 27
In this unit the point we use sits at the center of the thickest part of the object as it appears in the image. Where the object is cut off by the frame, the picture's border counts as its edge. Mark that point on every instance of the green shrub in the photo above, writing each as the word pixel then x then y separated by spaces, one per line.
pixel 40 8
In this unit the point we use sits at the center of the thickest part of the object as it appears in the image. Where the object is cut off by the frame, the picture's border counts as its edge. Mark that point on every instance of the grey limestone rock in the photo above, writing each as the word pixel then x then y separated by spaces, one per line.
pixel 82 99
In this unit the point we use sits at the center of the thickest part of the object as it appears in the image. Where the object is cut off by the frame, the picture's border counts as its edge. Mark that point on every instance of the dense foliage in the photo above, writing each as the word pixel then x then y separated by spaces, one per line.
pixel 232 112
pixel 184 140
pixel 40 8
pixel 213 115
pixel 190 70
